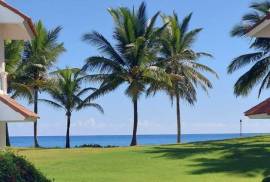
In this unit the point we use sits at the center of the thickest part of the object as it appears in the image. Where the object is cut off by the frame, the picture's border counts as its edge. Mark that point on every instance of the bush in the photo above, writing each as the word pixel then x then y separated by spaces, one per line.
pixel 15 168
pixel 89 146
pixel 94 146
pixel 267 179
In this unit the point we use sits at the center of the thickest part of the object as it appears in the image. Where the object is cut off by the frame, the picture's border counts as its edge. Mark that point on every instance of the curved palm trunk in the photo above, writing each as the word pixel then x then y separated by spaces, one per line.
pixel 68 128
pixel 36 111
pixel 7 136
pixel 178 119
pixel 135 125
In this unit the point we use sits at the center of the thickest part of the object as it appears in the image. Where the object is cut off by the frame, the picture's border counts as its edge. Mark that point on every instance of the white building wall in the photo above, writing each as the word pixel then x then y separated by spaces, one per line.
pixel 2 135
pixel 3 74
pixel 8 114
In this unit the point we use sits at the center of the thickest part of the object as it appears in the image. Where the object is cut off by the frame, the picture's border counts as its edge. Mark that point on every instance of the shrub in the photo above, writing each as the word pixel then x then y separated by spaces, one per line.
pixel 267 179
pixel 15 168
pixel 89 146
pixel 94 146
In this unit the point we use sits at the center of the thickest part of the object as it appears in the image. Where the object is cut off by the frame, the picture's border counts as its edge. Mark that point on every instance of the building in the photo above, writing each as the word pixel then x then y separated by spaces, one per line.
pixel 14 25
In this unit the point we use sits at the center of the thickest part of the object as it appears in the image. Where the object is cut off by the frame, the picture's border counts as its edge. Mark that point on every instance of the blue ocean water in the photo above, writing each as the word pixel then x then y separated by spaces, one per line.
pixel 118 140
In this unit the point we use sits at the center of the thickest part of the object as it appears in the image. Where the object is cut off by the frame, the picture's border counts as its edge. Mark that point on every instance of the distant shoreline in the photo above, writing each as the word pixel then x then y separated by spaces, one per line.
pixel 143 134
pixel 121 140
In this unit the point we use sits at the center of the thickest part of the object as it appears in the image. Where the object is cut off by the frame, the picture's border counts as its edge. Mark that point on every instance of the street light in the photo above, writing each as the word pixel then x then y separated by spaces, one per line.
pixel 241 127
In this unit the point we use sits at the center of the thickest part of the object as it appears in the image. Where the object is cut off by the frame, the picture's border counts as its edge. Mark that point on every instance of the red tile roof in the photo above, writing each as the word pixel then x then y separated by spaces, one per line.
pixel 16 11
pixel 262 108
pixel 18 108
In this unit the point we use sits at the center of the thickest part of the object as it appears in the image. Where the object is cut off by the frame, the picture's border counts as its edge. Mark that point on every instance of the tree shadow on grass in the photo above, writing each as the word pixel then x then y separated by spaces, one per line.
pixel 239 157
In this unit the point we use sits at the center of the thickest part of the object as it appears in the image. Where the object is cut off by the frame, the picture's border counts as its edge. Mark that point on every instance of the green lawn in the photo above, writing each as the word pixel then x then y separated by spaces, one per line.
pixel 238 160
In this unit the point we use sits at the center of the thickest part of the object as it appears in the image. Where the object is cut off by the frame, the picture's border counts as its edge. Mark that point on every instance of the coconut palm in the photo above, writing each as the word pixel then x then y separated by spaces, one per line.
pixel 259 73
pixel 67 92
pixel 181 62
pixel 131 60
pixel 13 56
pixel 39 56
pixel 14 68
pixel 16 88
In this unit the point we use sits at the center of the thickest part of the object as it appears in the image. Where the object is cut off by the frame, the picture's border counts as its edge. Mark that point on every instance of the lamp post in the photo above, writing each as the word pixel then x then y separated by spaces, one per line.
pixel 241 127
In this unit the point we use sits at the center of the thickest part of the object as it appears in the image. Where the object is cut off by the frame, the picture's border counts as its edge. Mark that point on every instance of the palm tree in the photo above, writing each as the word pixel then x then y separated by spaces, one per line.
pixel 39 56
pixel 259 72
pixel 13 52
pixel 181 62
pixel 131 60
pixel 67 93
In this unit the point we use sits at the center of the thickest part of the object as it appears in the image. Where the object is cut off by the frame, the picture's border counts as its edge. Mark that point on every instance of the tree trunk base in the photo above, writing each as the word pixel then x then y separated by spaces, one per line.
pixel 135 124
pixel 7 136
pixel 133 142
pixel 36 145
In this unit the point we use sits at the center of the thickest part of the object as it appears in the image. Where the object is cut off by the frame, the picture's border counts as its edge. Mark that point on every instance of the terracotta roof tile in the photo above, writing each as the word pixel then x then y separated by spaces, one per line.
pixel 18 108
pixel 262 108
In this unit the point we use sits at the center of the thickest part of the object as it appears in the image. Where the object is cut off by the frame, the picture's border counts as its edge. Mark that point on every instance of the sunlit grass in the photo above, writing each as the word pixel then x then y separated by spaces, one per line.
pixel 237 160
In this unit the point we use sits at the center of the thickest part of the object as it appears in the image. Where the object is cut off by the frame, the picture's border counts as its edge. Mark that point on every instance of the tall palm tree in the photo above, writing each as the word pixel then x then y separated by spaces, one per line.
pixel 181 62
pixel 131 60
pixel 39 56
pixel 259 73
pixel 13 56
pixel 67 93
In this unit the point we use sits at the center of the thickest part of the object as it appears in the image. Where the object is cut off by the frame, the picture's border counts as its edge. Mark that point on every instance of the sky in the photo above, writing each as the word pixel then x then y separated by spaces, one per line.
pixel 217 112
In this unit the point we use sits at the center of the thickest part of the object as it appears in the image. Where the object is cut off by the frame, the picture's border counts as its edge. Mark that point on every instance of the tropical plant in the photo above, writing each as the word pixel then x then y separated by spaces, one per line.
pixel 66 93
pixel 13 56
pixel 259 73
pixel 17 168
pixel 39 56
pixel 131 60
pixel 181 62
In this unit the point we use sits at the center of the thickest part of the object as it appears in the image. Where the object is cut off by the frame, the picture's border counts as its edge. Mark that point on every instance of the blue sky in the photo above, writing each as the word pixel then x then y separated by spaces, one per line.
pixel 218 112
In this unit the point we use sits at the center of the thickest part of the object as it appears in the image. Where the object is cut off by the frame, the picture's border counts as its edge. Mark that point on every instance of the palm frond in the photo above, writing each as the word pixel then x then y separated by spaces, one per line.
pixel 244 60
pixel 262 7
pixel 85 90
pixel 265 84
pixel 94 105
pixel 101 64
pixel 106 87
pixel 240 30
pixel 51 103
pixel 185 24
pixel 103 45
pixel 252 17
pixel 252 77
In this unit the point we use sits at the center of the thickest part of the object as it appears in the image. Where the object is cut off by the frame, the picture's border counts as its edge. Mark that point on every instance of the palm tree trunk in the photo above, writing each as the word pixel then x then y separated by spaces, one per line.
pixel 178 119
pixel 7 136
pixel 135 125
pixel 68 128
pixel 36 111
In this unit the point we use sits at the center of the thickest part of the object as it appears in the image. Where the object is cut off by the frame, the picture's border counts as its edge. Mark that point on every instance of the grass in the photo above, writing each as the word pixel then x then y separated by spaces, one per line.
pixel 237 160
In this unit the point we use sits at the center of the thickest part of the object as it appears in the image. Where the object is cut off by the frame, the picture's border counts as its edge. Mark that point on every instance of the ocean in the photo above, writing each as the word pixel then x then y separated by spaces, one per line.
pixel 118 140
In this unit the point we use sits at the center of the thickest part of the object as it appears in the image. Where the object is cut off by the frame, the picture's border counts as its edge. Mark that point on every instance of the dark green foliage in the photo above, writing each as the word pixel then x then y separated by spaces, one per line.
pixel 267 179
pixel 16 169
pixel 94 146
pixel 39 55
pixel 181 62
pixel 89 146
pixel 259 72
pixel 130 60
pixel 67 91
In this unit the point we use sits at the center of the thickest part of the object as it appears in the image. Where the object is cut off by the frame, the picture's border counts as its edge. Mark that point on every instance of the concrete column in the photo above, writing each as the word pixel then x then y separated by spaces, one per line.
pixel 3 90
pixel 2 134
pixel 3 73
